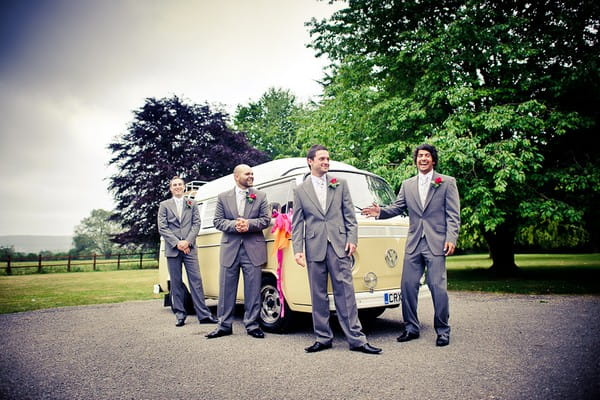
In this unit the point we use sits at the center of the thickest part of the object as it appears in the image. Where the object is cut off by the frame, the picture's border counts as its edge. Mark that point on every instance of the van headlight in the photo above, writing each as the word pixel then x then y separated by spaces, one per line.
pixel 370 280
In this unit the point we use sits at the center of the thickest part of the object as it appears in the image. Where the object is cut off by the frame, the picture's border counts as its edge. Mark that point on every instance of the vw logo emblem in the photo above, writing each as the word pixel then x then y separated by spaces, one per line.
pixel 391 258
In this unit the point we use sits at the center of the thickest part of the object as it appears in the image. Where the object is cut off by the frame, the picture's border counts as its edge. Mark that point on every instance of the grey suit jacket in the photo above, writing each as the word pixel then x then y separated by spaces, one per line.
pixel 257 214
pixel 312 226
pixel 172 230
pixel 439 219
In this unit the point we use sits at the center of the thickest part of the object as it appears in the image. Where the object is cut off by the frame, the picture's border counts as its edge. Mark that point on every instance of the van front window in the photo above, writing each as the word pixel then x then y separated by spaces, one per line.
pixel 367 189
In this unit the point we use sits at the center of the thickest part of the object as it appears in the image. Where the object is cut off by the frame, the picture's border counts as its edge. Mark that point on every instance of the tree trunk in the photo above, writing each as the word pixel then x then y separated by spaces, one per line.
pixel 502 251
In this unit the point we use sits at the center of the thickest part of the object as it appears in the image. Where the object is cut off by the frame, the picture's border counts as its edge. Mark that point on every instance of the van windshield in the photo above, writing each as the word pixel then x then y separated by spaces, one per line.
pixel 367 189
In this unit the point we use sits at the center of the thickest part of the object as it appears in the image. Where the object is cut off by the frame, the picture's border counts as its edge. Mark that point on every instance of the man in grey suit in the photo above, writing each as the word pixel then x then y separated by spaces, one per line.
pixel 241 214
pixel 324 237
pixel 433 206
pixel 178 224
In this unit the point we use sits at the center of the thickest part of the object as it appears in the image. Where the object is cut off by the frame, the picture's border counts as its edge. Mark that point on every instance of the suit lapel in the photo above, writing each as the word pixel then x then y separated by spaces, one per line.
pixel 247 205
pixel 412 190
pixel 431 191
pixel 310 192
pixel 330 195
pixel 184 211
pixel 232 202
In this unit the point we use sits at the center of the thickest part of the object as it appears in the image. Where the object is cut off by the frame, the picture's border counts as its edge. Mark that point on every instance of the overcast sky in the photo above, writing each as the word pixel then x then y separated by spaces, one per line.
pixel 72 71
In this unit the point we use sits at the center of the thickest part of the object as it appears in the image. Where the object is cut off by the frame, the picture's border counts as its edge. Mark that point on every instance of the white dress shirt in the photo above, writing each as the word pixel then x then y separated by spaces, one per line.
pixel 179 206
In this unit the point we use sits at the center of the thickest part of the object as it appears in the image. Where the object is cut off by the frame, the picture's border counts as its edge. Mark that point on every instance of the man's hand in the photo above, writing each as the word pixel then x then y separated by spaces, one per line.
pixel 184 245
pixel 241 225
pixel 371 211
pixel 449 248
pixel 300 259
pixel 350 249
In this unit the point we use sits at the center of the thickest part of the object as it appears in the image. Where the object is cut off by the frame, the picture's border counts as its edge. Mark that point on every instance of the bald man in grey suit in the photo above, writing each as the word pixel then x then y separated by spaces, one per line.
pixel 241 214
pixel 324 237
pixel 433 206
pixel 178 224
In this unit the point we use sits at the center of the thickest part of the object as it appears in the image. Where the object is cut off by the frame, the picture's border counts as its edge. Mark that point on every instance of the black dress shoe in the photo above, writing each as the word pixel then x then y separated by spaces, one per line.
pixel 256 333
pixel 180 322
pixel 209 320
pixel 442 340
pixel 218 333
pixel 367 349
pixel 317 346
pixel 406 336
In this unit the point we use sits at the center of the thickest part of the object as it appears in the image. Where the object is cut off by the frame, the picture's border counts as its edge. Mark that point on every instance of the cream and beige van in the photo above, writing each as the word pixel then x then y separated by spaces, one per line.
pixel 377 266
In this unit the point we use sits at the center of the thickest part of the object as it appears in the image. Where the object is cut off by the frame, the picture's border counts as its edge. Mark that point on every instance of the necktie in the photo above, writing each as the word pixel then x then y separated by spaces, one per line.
pixel 423 190
pixel 322 193
pixel 242 203
pixel 179 209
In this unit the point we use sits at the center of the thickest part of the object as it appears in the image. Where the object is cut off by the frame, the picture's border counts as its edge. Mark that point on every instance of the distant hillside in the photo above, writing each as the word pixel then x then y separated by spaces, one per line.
pixel 37 243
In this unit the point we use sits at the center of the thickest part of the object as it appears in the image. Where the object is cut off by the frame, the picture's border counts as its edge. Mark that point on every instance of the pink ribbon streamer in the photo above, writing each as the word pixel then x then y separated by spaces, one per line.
pixel 282 228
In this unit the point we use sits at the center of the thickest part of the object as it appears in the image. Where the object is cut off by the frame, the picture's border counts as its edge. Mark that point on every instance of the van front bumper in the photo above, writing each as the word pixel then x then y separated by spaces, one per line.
pixel 379 298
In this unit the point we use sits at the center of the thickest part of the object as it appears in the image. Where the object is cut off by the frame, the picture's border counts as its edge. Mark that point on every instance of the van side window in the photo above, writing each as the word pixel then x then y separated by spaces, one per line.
pixel 208 213
pixel 280 194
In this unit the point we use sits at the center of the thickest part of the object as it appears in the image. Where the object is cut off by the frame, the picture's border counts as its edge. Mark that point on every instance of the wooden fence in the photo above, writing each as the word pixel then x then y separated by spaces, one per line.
pixel 79 263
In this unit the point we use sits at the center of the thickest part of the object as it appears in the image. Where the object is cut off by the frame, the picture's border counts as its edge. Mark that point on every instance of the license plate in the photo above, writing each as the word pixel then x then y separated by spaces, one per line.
pixel 392 297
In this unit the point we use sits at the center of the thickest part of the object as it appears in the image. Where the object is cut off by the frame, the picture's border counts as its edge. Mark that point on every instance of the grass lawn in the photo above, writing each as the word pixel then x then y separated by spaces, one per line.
pixel 37 291
pixel 539 274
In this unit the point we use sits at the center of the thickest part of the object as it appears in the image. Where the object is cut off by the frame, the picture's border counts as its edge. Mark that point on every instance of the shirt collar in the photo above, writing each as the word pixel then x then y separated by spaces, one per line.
pixel 322 179
pixel 425 177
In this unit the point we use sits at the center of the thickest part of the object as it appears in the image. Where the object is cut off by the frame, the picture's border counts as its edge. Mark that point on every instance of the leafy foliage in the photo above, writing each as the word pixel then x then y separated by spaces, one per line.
pixel 93 234
pixel 507 91
pixel 271 123
pixel 169 137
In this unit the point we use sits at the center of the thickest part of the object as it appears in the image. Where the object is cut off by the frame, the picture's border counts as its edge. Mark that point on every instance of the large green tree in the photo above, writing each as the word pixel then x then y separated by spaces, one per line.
pixel 272 122
pixel 169 137
pixel 508 91
pixel 93 234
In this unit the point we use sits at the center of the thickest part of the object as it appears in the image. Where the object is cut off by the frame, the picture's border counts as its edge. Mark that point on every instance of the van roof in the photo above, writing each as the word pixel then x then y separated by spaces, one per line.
pixel 266 172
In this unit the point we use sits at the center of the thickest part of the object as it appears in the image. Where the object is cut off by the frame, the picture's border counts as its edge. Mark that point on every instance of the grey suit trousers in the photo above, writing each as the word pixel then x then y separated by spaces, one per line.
pixel 228 284
pixel 436 278
pixel 343 291
pixel 195 282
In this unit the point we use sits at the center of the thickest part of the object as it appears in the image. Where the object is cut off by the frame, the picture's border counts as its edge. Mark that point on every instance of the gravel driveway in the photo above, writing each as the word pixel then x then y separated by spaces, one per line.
pixel 502 347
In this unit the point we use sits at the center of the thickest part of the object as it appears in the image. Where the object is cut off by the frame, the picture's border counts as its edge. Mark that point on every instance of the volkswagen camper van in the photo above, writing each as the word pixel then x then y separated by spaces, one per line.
pixel 377 262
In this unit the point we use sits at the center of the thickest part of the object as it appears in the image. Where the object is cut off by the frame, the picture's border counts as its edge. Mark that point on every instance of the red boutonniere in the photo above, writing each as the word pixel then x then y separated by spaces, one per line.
pixel 189 203
pixel 333 183
pixel 437 182
pixel 251 197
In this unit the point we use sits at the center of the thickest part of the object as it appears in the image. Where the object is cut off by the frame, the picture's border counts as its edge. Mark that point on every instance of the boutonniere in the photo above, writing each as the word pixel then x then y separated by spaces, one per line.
pixel 189 203
pixel 251 197
pixel 437 182
pixel 333 183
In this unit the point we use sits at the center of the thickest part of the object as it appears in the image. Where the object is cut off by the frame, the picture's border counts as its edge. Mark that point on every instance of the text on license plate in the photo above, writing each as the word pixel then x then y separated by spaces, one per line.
pixel 391 297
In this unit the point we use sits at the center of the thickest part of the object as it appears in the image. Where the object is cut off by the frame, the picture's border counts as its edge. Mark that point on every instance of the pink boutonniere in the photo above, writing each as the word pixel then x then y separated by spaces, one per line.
pixel 251 197
pixel 333 183
pixel 189 203
pixel 437 182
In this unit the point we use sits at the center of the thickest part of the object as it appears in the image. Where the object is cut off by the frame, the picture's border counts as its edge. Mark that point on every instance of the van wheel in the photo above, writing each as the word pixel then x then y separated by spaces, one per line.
pixel 369 314
pixel 271 307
